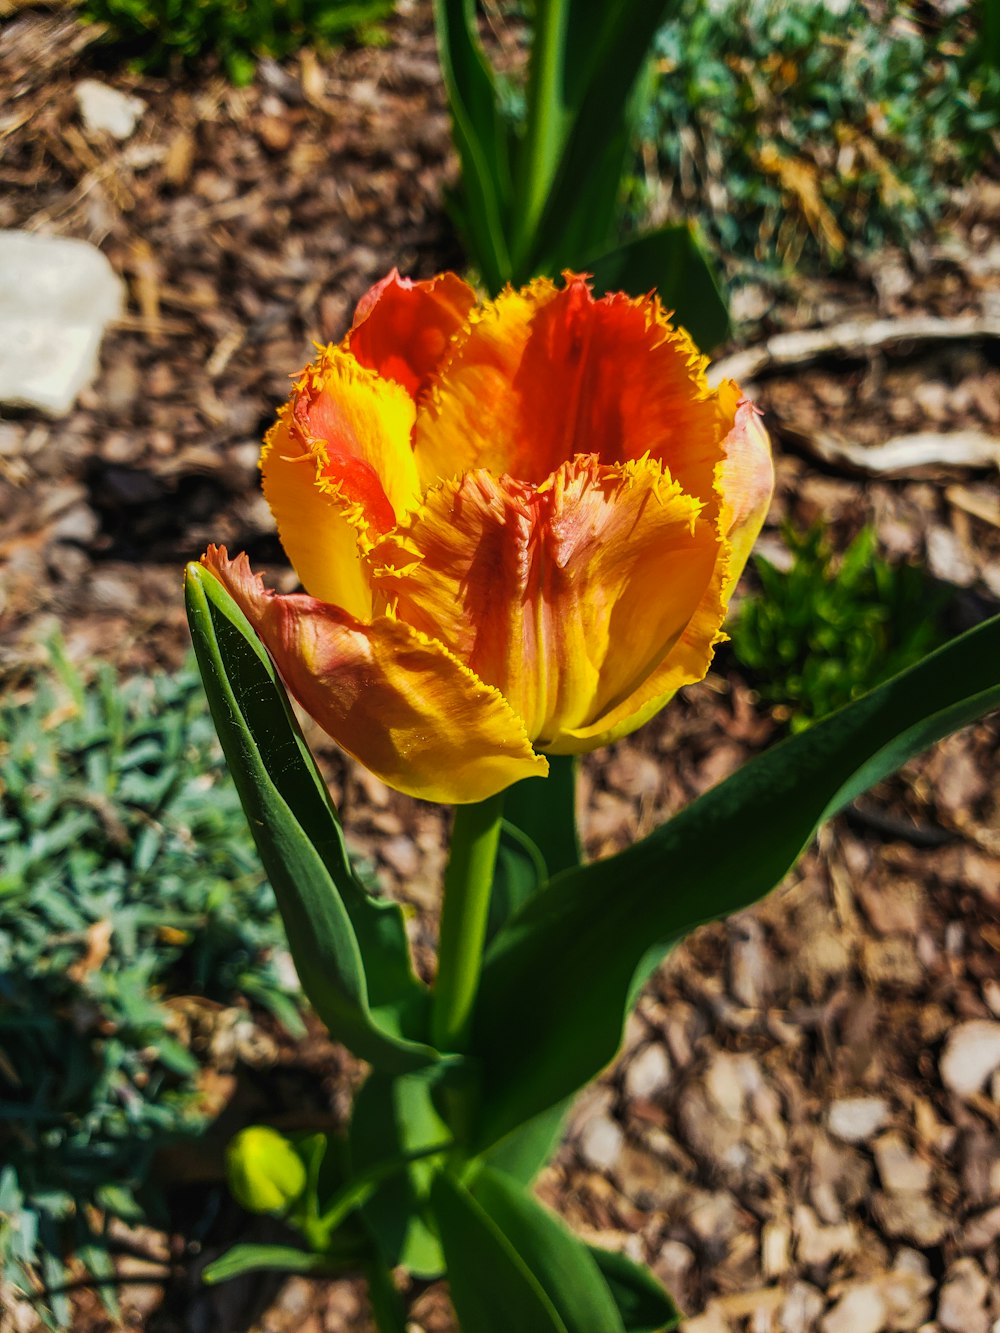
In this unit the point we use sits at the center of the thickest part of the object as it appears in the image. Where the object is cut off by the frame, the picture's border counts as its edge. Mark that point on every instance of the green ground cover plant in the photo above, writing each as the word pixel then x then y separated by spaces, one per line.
pixel 127 875
pixel 801 133
pixel 828 630
pixel 157 33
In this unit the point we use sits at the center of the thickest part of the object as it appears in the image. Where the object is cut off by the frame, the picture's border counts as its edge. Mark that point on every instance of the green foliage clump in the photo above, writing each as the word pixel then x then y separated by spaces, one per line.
pixel 127 875
pixel 156 33
pixel 812 130
pixel 826 632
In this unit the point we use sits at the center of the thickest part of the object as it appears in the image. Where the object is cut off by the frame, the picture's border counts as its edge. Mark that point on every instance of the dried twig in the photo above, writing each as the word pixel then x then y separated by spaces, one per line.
pixel 903 454
pixel 852 338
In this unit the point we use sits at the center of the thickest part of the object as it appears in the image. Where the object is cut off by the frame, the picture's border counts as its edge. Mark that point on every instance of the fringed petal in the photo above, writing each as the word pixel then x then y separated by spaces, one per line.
pixel 567 596
pixel 338 469
pixel 395 699
pixel 543 374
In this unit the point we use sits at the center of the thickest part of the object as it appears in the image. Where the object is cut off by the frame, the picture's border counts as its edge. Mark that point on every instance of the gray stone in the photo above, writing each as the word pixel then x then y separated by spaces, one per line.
pixel 861 1309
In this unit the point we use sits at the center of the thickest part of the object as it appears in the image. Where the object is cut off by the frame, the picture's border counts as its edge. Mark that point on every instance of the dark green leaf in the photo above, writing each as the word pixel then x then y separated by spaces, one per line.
pixel 606 51
pixel 590 939
pixel 563 1266
pixel 546 813
pixel 492 1289
pixel 643 1304
pixel 672 261
pixel 520 872
pixel 523 1152
pixel 391 1119
pixel 480 137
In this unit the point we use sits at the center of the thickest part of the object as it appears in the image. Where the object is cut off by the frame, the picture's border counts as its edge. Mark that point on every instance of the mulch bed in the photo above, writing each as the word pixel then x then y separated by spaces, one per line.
pixel 790 1138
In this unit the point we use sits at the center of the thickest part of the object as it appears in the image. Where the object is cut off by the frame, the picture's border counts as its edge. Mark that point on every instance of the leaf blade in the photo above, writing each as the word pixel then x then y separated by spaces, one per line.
pixel 300 841
pixel 719 855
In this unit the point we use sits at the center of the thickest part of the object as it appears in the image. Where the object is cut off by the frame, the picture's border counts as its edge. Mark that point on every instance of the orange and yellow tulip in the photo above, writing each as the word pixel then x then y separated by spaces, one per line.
pixel 518 525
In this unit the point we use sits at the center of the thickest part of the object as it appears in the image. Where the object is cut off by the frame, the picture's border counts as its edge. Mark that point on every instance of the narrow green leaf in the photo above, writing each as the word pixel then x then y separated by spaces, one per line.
pixel 520 872
pixel 481 137
pixel 492 1289
pixel 606 54
pixel 563 1266
pixel 274 1258
pixel 523 1152
pixel 642 1303
pixel 350 951
pixel 395 1119
pixel 589 940
pixel 670 260
pixel 546 813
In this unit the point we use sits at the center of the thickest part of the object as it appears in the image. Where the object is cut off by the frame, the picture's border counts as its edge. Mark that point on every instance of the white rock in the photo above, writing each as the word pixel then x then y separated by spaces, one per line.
pixel 648 1072
pixel 901 1171
pixel 970 1056
pixel 802 1309
pixel 860 1310
pixel 601 1142
pixel 855 1119
pixel 105 109
pixel 57 296
pixel 961 1308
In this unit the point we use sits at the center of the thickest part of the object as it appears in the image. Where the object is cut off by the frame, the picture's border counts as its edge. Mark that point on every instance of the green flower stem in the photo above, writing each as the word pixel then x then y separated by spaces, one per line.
pixel 468 882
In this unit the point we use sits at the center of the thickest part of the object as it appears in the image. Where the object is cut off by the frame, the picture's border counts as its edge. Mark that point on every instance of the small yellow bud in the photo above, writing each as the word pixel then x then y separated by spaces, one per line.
pixel 266 1174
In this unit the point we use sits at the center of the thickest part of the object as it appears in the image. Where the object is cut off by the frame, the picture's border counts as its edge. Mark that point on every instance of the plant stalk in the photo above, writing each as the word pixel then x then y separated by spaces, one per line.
pixel 468 882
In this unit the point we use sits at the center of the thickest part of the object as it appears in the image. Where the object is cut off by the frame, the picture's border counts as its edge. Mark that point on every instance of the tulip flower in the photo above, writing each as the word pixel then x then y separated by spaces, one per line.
pixel 518 525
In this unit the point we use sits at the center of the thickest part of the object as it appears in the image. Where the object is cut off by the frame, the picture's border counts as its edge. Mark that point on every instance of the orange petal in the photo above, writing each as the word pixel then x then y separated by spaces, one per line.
pixel 338 469
pixel 567 596
pixel 402 328
pixel 396 700
pixel 543 374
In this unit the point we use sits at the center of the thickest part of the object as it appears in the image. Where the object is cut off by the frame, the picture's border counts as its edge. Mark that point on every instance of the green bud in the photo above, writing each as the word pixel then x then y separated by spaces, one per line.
pixel 266 1174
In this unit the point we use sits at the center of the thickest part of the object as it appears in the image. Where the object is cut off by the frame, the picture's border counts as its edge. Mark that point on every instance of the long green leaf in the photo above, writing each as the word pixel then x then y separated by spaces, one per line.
pixel 392 1120
pixel 563 1266
pixel 349 950
pixel 643 1304
pixel 274 1258
pixel 559 976
pixel 481 137
pixel 607 48
pixel 546 813
pixel 492 1289
pixel 519 874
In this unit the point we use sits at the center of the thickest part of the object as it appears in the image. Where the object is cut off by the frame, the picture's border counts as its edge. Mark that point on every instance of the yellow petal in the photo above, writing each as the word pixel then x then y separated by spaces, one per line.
pixel 392 697
pixel 338 470
pixel 566 596
pixel 745 481
pixel 543 374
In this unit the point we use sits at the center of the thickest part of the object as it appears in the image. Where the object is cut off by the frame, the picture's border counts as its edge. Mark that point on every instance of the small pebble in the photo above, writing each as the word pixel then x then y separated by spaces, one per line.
pixel 856 1119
